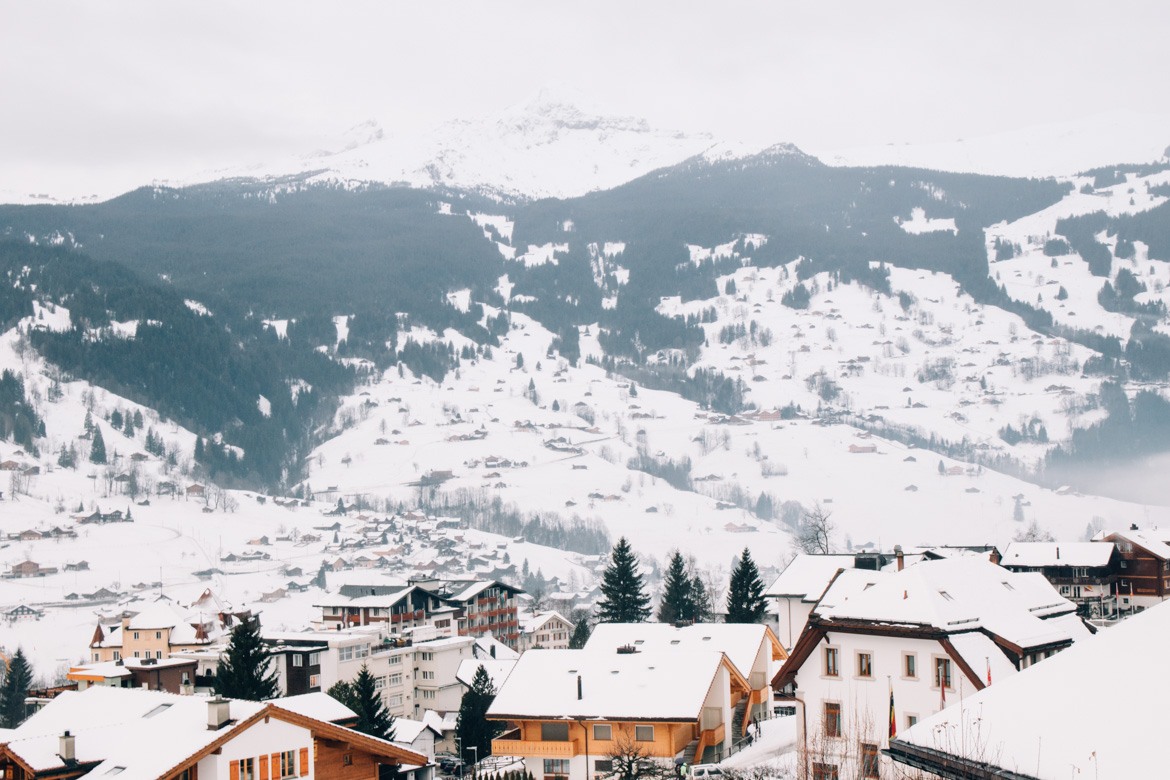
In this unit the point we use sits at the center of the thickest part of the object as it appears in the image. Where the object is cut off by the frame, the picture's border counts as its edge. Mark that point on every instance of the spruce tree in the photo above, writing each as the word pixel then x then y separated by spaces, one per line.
pixel 677 593
pixel 373 719
pixel 700 600
pixel 624 598
pixel 473 729
pixel 581 633
pixel 244 672
pixel 97 453
pixel 15 691
pixel 745 596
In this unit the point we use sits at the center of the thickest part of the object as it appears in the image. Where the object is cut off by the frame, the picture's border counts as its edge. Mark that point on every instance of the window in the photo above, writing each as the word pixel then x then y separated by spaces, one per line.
pixel 603 765
pixel 825 772
pixel 865 664
pixel 1124 565
pixel 831 662
pixel 602 731
pixel 379 683
pixel 361 651
pixel 117 656
pixel 911 720
pixel 288 764
pixel 644 733
pixel 554 732
pixel 345 654
pixel 158 653
pixel 556 769
pixel 395 679
pixel 315 659
pixel 395 659
pixel 314 681
pixel 942 672
pixel 158 635
pixel 869 760
pixel 428 694
pixel 136 633
pixel 428 675
pixel 832 719
pixel 910 665
pixel 96 657
pixel 298 660
pixel 135 653
pixel 247 769
pixel 428 656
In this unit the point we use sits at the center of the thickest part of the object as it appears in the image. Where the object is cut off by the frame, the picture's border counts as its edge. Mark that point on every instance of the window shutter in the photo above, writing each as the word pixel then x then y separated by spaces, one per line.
pixel 235 770
pixel 263 767
pixel 304 762
pixel 277 769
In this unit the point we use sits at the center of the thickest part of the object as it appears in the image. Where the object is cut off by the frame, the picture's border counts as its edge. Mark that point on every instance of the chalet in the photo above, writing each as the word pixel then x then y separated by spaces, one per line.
pixel 10 465
pixel 173 675
pixel 22 613
pixel 1083 572
pixel 1143 569
pixel 753 650
pixel 196 491
pixel 1012 742
pixel 463 607
pixel 160 630
pixel 863 448
pixel 26 569
pixel 31 535
pixel 798 588
pixel 548 630
pixel 926 635
pixel 104 731
pixel 567 711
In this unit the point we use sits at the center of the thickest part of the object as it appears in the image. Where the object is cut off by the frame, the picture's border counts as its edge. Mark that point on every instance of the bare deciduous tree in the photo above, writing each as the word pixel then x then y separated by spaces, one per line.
pixel 814 534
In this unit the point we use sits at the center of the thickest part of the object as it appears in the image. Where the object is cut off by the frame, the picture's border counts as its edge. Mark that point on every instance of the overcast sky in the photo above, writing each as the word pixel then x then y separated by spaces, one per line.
pixel 171 86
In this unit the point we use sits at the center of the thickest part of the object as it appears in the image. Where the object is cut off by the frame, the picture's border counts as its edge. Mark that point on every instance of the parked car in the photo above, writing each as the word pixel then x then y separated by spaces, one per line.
pixel 706 771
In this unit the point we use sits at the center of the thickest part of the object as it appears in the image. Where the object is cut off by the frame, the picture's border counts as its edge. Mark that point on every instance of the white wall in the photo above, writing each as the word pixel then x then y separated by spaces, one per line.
pixel 865 702
pixel 261 738
pixel 791 615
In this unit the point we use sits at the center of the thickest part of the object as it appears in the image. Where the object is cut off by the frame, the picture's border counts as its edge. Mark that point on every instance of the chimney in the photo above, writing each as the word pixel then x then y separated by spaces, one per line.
pixel 1058 552
pixel 492 650
pixel 901 558
pixel 218 713
pixel 578 687
pixel 67 747
pixel 995 557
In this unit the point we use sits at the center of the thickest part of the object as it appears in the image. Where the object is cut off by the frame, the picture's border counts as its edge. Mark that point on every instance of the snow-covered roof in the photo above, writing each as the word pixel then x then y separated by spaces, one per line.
pixel 497 669
pixel 739 642
pixel 660 686
pixel 318 705
pixel 1037 554
pixel 535 622
pixel 406 731
pixel 1001 724
pixel 808 576
pixel 953 595
pixel 487 646
pixel 161 614
pixel 1149 541
pixel 145 734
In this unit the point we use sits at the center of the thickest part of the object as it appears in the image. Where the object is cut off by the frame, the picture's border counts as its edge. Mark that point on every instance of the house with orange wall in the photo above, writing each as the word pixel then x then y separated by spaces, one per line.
pixel 569 712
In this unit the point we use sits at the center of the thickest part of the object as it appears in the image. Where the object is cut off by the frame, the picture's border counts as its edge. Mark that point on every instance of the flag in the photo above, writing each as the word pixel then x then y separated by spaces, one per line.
pixel 893 720
pixel 988 660
pixel 942 691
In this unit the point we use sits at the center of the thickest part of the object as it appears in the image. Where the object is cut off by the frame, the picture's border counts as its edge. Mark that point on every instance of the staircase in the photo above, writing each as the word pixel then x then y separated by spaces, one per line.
pixel 688 755
pixel 737 721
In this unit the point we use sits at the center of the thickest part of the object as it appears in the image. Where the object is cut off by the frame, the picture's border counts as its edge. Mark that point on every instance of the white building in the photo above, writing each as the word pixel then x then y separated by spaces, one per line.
pixel 1113 727
pixel 929 635
pixel 549 630
pixel 103 732
pixel 794 593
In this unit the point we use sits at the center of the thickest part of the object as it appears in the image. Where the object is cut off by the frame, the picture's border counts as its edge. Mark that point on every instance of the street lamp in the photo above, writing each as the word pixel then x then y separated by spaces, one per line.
pixel 474 764
pixel 459 747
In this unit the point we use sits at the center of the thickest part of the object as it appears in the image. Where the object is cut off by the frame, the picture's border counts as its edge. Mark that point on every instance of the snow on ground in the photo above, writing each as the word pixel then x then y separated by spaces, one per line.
pixel 542 255
pixel 341 322
pixel 501 224
pixel 460 299
pixel 919 223
pixel 1037 278
pixel 197 307
pixel 774 750
pixel 279 327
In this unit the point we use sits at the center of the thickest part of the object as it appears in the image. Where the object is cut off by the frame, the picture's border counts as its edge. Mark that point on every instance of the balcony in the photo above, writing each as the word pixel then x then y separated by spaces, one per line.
pixel 510 744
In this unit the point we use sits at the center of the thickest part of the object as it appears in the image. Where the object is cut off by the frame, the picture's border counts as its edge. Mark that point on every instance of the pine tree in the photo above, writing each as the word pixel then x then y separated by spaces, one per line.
pixel 581 633
pixel 15 691
pixel 473 729
pixel 97 453
pixel 89 428
pixel 745 597
pixel 244 672
pixel 677 592
pixel 700 600
pixel 373 719
pixel 624 598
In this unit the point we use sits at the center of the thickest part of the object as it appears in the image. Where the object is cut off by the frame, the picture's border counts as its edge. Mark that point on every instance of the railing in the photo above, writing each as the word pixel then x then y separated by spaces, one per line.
pixel 511 746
